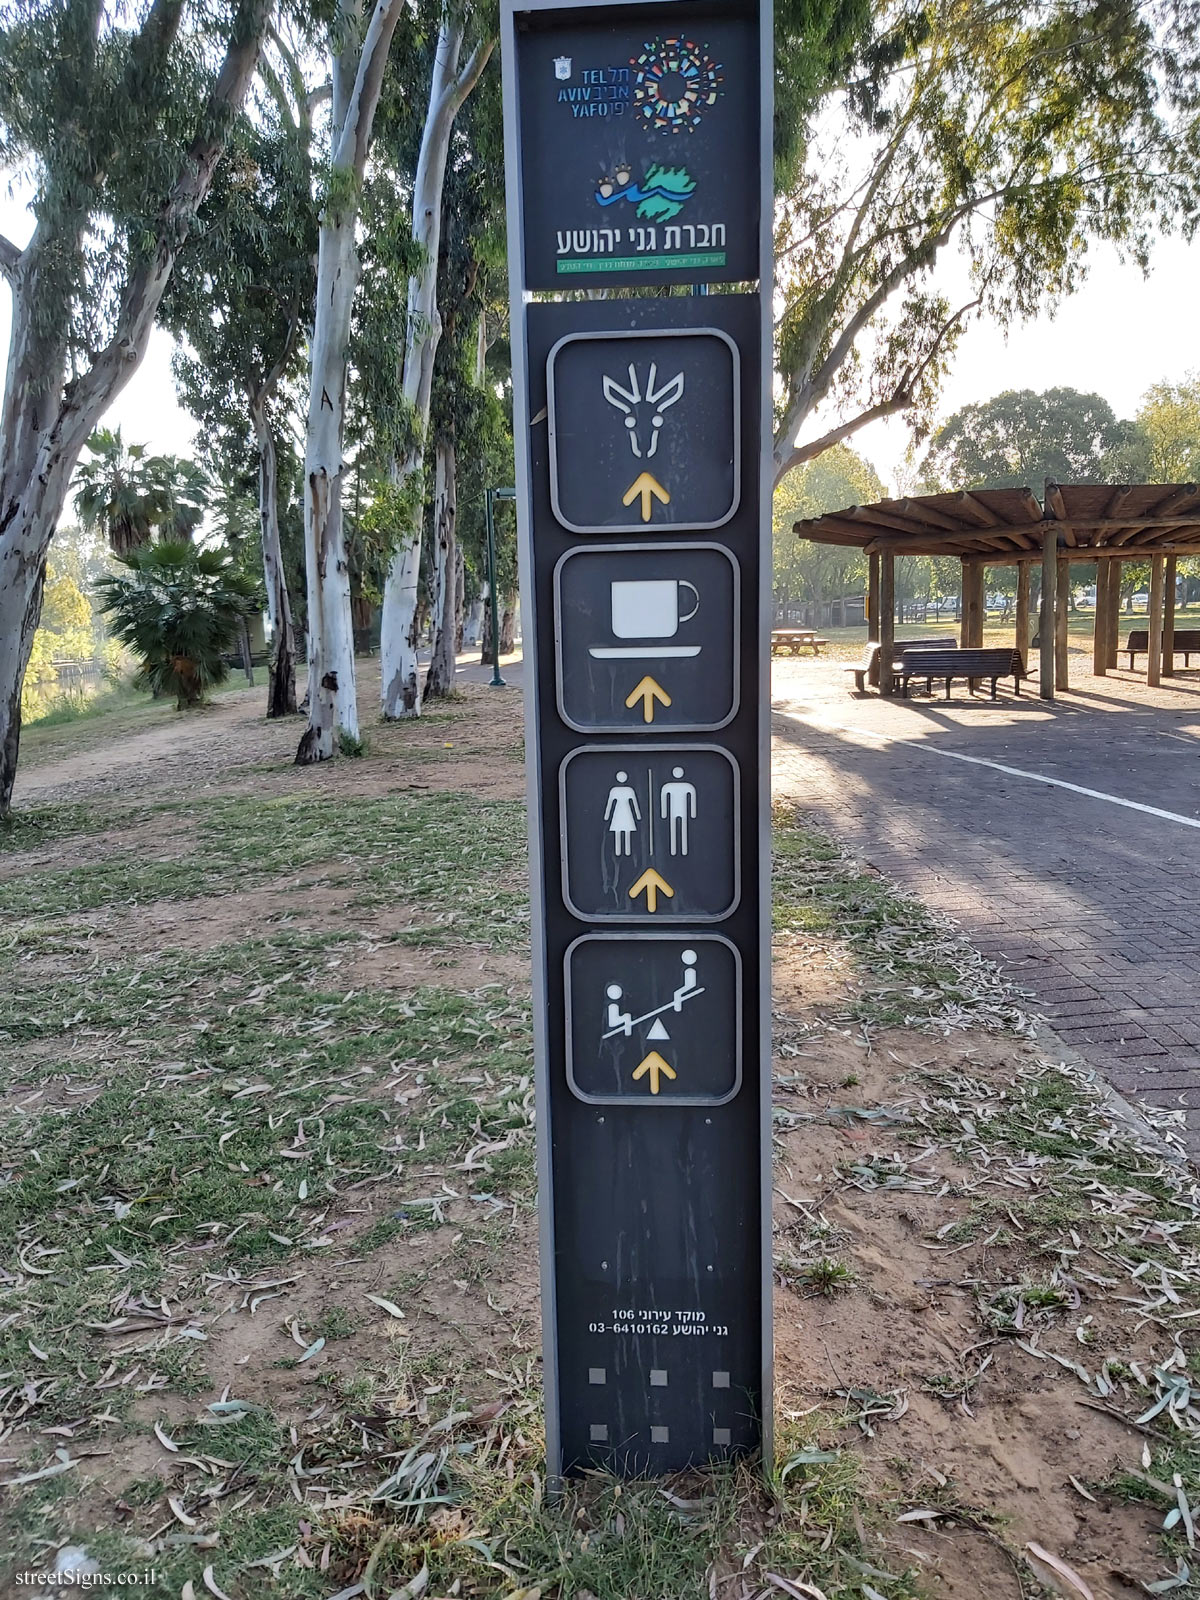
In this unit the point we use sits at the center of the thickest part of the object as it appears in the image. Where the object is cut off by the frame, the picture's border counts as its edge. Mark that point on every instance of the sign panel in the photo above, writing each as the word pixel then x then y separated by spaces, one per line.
pixel 639 144
pixel 654 1019
pixel 647 638
pixel 651 833
pixel 644 429
pixel 637 138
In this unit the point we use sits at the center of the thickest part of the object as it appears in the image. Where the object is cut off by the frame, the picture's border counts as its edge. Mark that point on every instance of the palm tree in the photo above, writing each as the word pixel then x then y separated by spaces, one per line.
pixel 179 609
pixel 117 492
pixel 183 490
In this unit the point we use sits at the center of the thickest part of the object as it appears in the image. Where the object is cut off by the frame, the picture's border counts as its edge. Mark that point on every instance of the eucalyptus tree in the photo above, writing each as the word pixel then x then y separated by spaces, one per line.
pixel 1011 135
pixel 465 412
pixel 359 39
pixel 244 303
pixel 451 79
pixel 118 115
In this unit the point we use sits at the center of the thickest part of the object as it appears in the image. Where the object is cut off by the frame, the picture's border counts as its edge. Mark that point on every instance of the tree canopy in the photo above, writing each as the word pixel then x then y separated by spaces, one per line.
pixel 1010 135
pixel 806 571
pixel 1168 422
pixel 1020 438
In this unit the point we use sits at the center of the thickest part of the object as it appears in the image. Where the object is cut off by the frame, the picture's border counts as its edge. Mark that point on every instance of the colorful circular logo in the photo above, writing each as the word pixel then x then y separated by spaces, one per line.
pixel 675 82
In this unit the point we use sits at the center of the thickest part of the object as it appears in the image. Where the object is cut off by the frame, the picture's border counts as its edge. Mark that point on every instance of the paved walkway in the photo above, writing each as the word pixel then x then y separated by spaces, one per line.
pixel 1091 903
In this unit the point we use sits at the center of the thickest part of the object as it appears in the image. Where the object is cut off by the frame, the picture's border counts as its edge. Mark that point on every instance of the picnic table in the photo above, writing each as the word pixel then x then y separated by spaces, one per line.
pixel 790 641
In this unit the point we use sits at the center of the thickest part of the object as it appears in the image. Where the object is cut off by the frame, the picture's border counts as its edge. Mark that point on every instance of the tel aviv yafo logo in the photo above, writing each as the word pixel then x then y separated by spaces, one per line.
pixel 675 82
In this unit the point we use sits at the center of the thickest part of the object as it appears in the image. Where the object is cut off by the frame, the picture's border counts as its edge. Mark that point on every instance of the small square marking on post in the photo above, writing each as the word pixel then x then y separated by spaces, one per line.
pixel 597 1375
pixel 660 1435
pixel 720 1380
pixel 722 1436
pixel 599 1433
pixel 658 1377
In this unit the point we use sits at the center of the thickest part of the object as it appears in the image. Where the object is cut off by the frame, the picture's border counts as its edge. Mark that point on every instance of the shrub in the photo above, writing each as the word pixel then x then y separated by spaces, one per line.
pixel 178 608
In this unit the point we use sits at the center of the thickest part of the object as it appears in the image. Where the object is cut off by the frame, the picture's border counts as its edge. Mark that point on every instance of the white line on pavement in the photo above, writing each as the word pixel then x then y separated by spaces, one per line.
pixel 996 766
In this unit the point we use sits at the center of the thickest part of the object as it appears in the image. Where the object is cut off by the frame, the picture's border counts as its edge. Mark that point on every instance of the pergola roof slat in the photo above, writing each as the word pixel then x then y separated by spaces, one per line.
pixel 1090 518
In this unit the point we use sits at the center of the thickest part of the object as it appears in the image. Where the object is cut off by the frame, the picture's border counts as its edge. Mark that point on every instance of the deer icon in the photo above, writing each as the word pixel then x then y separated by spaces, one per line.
pixel 636 402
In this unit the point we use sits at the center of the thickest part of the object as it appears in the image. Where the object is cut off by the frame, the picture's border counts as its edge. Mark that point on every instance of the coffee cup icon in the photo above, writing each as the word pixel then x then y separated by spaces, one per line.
pixel 649 608
pixel 648 612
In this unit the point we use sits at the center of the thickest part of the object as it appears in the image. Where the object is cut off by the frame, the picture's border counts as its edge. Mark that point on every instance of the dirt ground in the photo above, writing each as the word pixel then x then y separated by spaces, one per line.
pixel 908 1249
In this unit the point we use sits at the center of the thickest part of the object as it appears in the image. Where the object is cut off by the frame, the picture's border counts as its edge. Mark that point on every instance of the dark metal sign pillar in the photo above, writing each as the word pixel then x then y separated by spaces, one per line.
pixel 638 155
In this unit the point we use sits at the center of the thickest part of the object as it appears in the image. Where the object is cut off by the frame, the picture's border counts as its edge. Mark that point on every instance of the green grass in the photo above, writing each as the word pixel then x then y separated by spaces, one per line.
pixel 73 708
pixel 185 1143
pixel 458 858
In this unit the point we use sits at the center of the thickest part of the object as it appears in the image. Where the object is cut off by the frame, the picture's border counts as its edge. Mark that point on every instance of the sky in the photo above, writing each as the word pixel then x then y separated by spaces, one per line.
pixel 1118 335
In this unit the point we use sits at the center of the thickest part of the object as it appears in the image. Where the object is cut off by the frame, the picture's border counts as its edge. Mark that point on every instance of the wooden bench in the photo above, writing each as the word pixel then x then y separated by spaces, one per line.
pixel 790 641
pixel 1187 641
pixel 969 664
pixel 867 670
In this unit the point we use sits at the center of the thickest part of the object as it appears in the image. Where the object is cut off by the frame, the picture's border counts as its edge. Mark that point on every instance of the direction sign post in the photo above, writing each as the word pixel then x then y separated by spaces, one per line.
pixel 638 152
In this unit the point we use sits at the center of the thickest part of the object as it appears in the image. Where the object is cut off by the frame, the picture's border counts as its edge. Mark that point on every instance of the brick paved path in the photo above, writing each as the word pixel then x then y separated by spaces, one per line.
pixel 1093 907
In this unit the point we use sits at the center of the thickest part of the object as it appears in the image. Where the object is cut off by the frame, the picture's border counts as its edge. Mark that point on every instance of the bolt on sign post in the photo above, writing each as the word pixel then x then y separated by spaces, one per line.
pixel 638 157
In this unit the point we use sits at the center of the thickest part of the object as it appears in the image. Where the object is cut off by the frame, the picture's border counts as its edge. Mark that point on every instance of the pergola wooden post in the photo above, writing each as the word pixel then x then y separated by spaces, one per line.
pixel 1168 637
pixel 1100 622
pixel 972 609
pixel 1062 590
pixel 1112 626
pixel 1047 619
pixel 1155 642
pixel 872 595
pixel 1022 631
pixel 887 619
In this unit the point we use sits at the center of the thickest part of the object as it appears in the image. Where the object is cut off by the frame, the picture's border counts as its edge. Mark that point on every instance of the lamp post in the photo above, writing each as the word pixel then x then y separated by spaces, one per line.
pixel 490 497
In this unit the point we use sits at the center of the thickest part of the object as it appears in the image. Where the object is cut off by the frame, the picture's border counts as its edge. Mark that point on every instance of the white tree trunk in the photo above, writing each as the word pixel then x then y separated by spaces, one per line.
pixel 357 80
pixel 281 679
pixel 398 619
pixel 332 702
pixel 439 681
pixel 23 552
pixel 460 586
pixel 448 88
pixel 473 628
pixel 508 623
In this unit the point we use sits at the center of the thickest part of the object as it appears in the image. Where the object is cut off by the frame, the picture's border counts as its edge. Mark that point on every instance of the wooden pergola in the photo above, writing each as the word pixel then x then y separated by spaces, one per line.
pixel 1104 523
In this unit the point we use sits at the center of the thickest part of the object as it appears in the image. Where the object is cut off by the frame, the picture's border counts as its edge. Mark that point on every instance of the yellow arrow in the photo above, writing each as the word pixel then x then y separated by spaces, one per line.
pixel 654 886
pixel 645 486
pixel 647 692
pixel 654 1065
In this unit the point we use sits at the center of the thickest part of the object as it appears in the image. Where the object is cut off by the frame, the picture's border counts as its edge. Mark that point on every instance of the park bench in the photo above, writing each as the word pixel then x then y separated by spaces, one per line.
pixel 867 670
pixel 790 641
pixel 1187 641
pixel 969 664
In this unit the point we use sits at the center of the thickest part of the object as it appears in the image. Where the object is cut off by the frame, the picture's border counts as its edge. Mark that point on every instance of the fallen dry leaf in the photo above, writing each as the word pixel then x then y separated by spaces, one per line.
pixel 1050 1569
